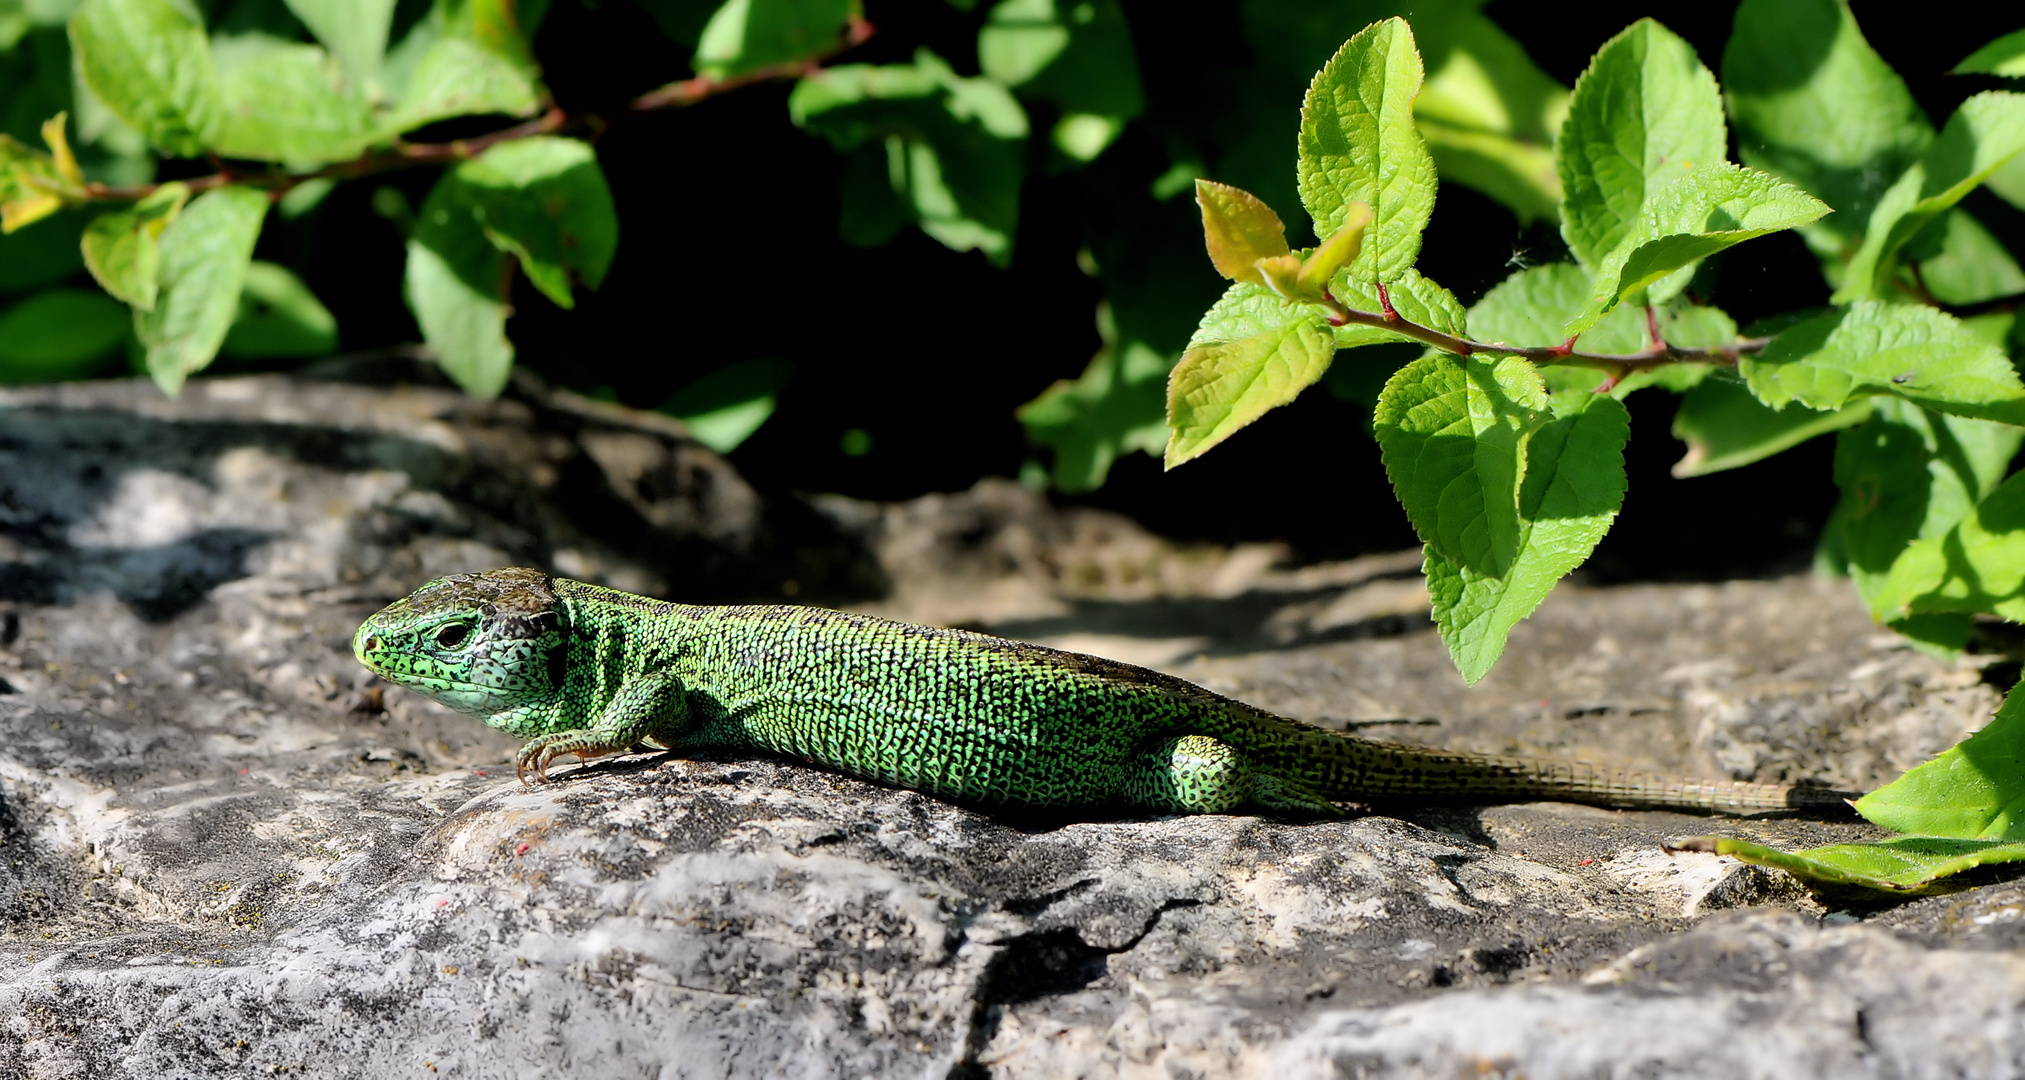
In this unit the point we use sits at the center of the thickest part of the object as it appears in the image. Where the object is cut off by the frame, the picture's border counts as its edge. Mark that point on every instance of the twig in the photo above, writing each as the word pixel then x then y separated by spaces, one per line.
pixel 1659 355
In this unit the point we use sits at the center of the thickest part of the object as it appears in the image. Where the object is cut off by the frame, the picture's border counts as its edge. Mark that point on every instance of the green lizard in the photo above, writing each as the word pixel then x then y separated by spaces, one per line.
pixel 584 670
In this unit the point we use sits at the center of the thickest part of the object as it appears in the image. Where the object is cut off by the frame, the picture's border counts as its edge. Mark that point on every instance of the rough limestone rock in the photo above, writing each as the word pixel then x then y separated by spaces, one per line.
pixel 225 852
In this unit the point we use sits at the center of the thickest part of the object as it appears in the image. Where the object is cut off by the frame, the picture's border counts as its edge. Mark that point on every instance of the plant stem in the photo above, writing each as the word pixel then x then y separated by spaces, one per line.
pixel 403 155
pixel 1660 354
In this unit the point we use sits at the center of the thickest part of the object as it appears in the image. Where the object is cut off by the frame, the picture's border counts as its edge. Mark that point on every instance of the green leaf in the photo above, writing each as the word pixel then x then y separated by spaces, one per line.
pixel 2004 56
pixel 954 148
pixel 283 101
pixel 1974 791
pixel 457 284
pixel 1076 54
pixel 1960 263
pixel 203 260
pixel 1530 308
pixel 1908 474
pixel 58 334
pixel 747 35
pixel 1814 103
pixel 1916 353
pixel 1358 144
pixel 1574 484
pixel 1117 406
pixel 1977 566
pixel 43 253
pixel 452 76
pixel 1415 298
pixel 279 316
pixel 723 409
pixel 1725 427
pixel 1901 864
pixel 1452 432
pixel 1987 131
pixel 1217 389
pixel 544 200
pixel 151 65
pixel 1642 116
pixel 355 31
pixel 1712 208
pixel 1489 114
pixel 121 247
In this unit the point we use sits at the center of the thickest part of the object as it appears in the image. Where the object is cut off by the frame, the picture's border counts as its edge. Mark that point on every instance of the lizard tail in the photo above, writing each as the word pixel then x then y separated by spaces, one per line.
pixel 1367 770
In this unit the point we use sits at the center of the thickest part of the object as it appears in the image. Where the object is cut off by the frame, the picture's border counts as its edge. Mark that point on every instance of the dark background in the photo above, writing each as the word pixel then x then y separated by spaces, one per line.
pixel 728 251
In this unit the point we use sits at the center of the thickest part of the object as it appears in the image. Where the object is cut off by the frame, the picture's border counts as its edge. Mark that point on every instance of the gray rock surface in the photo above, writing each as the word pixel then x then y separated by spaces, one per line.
pixel 223 852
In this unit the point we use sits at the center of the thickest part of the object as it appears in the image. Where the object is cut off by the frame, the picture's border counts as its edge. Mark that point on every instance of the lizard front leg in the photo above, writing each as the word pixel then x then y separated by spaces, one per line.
pixel 651 706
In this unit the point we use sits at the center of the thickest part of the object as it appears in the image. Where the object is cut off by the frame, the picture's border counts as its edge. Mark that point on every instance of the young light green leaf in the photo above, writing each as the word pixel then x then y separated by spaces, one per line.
pixel 1643 115
pixel 58 334
pixel 1712 208
pixel 122 247
pixel 1217 389
pixel 1335 253
pixel 355 31
pixel 151 65
pixel 1987 131
pixel 1239 230
pixel 1975 791
pixel 1815 104
pixel 457 77
pixel 1574 484
pixel 1452 433
pixel 279 316
pixel 30 187
pixel 1076 54
pixel 544 200
pixel 457 285
pixel 1901 864
pixel 1916 353
pixel 2004 56
pixel 1724 427
pixel 747 35
pixel 202 266
pixel 283 101
pixel 1489 114
pixel 954 148
pixel 1358 144
pixel 1906 475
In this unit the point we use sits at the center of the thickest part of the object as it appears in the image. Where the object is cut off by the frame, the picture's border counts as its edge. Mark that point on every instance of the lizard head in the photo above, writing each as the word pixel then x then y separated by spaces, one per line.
pixel 489 645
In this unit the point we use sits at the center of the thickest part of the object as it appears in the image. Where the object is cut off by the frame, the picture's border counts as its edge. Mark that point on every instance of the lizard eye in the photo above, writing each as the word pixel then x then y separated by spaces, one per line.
pixel 452 635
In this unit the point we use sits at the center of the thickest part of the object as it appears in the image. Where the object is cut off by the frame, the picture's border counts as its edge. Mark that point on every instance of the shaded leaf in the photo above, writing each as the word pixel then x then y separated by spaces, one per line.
pixel 1076 54
pixel 1489 114
pixel 437 76
pixel 43 253
pixel 954 148
pixel 1117 406
pixel 121 247
pixel 2004 56
pixel 746 35
pixel 1960 263
pixel 59 334
pixel 457 284
pixel 355 31
pixel 1725 427
pixel 202 266
pixel 1987 131
pixel 1642 116
pixel 1916 353
pixel 151 65
pixel 1358 144
pixel 723 409
pixel 544 200
pixel 1977 566
pixel 279 316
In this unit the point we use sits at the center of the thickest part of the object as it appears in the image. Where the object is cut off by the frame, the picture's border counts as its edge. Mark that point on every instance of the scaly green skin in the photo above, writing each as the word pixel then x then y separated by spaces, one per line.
pixel 579 669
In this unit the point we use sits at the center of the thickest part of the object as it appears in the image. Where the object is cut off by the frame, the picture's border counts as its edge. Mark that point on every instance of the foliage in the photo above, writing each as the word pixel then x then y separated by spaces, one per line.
pixel 1504 441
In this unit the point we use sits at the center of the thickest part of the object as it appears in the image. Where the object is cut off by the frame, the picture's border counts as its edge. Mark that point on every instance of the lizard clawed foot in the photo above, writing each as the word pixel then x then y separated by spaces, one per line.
pixel 541 752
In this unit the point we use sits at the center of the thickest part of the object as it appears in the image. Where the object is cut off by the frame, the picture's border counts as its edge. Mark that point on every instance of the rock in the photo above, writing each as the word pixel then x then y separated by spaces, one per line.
pixel 224 851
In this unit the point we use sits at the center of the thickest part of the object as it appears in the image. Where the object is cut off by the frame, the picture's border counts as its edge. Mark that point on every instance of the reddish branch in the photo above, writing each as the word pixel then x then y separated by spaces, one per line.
pixel 1616 364
pixel 404 155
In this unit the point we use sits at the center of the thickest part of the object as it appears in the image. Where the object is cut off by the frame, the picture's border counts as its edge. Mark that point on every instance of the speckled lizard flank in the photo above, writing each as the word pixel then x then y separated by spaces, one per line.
pixel 584 670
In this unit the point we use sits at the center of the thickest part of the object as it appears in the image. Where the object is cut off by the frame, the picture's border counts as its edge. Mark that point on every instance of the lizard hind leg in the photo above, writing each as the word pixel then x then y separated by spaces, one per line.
pixel 1189 774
